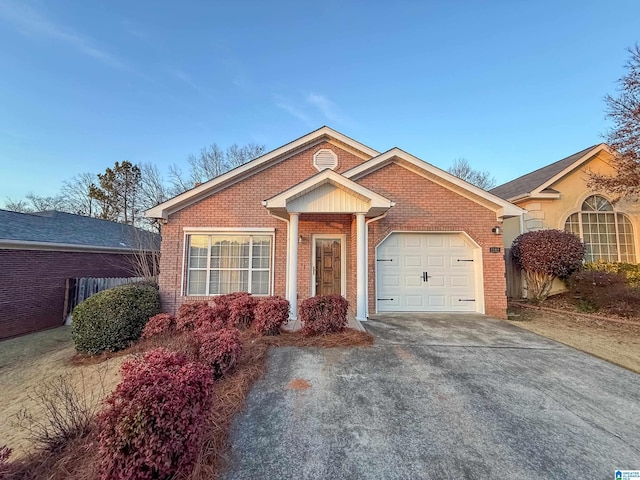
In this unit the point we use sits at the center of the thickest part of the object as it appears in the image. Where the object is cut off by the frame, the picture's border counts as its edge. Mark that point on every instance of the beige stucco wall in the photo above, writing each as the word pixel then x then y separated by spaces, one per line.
pixel 553 213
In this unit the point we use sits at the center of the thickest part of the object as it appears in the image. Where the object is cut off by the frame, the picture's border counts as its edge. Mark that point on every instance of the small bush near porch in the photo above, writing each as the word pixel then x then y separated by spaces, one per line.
pixel 323 314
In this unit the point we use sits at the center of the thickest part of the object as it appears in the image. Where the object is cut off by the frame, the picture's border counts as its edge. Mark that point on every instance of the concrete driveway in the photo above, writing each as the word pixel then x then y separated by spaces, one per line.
pixel 439 396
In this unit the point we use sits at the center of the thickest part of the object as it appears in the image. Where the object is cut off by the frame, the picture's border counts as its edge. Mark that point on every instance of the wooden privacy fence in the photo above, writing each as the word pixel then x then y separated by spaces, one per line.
pixel 513 275
pixel 79 289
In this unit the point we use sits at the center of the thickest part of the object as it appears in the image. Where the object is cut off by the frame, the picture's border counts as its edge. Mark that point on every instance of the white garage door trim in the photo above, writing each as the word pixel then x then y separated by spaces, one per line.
pixel 477 262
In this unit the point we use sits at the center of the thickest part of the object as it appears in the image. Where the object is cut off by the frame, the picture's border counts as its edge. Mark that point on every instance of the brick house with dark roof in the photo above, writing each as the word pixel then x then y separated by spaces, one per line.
pixel 40 251
pixel 325 214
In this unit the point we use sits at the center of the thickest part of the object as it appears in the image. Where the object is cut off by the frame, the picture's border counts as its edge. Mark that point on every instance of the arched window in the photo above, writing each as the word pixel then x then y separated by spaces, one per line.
pixel 607 234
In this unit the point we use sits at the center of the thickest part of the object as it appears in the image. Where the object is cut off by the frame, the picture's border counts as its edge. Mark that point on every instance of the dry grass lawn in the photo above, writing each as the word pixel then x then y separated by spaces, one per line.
pixel 30 362
pixel 615 342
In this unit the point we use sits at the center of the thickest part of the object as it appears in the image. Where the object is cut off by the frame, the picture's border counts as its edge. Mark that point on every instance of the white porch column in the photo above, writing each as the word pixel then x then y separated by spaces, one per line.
pixel 361 269
pixel 292 275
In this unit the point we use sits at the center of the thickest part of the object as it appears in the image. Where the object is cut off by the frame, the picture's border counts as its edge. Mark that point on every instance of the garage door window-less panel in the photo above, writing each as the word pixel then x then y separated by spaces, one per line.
pixel 428 272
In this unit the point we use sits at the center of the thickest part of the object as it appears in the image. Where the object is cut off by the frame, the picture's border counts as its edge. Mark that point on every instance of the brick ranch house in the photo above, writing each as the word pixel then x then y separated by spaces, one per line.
pixel 326 214
pixel 40 251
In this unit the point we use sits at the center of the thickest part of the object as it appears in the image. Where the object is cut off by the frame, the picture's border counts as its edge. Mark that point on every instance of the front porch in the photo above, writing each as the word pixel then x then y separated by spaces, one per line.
pixel 327 217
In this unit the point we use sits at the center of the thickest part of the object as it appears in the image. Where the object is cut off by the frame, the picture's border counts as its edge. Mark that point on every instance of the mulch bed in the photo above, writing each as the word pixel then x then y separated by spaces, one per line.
pixel 77 461
pixel 564 303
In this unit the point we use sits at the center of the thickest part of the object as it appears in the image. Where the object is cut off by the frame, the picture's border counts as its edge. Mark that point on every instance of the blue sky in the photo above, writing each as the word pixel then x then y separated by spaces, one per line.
pixel 508 85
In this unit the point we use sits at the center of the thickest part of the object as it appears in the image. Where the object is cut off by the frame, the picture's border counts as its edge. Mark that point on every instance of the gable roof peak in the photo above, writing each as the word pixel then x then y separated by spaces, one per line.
pixel 163 210
pixel 539 179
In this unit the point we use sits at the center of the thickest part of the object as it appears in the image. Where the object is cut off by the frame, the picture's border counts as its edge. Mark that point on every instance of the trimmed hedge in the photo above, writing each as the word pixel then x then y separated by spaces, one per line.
pixel 220 349
pixel 270 314
pixel 242 311
pixel 160 324
pixel 323 314
pixel 153 424
pixel 112 319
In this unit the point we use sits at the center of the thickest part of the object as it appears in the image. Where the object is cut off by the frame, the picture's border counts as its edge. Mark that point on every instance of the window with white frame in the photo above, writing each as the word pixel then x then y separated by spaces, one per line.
pixel 608 235
pixel 227 263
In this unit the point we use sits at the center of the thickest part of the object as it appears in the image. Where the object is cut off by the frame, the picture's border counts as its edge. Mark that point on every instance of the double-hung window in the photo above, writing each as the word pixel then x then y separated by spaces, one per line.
pixel 227 263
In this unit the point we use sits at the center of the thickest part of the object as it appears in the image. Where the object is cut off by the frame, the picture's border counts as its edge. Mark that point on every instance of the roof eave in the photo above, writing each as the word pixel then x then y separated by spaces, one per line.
pixel 163 210
pixel 63 247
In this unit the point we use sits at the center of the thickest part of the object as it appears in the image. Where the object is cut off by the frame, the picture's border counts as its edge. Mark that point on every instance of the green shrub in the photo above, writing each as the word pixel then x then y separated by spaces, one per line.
pixel 113 319
pixel 630 271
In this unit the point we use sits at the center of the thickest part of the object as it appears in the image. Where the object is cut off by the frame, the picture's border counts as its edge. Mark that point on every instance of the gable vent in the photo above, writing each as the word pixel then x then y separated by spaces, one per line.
pixel 325 158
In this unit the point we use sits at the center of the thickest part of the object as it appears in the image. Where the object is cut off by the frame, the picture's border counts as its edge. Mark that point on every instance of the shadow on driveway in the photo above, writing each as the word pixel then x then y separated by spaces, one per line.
pixel 439 396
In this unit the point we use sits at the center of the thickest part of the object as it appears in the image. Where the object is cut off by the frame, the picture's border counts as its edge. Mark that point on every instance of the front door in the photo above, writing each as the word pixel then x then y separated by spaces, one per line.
pixel 328 266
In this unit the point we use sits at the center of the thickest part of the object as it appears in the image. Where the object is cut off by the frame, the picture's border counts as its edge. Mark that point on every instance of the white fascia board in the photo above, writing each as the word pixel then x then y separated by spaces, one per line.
pixel 582 160
pixel 60 247
pixel 164 209
pixel 383 159
pixel 280 200
pixel 230 229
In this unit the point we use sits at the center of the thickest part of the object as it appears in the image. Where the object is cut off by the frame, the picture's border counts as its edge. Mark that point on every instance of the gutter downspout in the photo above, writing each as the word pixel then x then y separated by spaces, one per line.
pixel 366 246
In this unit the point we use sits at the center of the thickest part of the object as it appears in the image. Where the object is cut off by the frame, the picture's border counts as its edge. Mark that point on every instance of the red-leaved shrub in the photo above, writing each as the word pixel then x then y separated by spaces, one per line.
pixel 217 316
pixel 242 311
pixel 605 291
pixel 220 349
pixel 153 423
pixel 323 314
pixel 270 314
pixel 188 315
pixel 5 453
pixel 223 303
pixel 160 324
pixel 545 255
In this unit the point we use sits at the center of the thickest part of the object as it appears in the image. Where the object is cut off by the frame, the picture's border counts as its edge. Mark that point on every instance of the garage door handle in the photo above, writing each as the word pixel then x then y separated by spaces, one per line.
pixel 425 276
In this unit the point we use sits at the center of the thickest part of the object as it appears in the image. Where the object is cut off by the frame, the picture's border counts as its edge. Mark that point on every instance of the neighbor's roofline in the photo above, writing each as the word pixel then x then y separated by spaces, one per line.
pixel 582 160
pixel 164 209
pixel 506 208
pixel 538 193
pixel 62 247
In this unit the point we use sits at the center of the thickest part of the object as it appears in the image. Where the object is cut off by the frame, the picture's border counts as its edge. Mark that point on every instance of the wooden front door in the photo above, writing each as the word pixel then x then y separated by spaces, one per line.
pixel 328 266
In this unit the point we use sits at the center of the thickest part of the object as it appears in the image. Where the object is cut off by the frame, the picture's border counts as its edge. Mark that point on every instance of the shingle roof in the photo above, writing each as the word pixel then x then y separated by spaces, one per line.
pixel 66 228
pixel 529 182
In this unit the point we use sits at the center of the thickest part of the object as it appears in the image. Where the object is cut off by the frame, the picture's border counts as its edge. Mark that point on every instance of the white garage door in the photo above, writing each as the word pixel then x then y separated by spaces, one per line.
pixel 426 272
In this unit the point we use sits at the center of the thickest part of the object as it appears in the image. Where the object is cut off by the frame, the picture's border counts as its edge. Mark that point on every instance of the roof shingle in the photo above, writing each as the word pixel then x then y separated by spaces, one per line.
pixel 66 228
pixel 529 182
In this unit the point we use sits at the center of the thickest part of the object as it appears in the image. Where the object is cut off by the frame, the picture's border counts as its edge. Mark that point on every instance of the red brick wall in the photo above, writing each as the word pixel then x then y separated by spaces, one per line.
pixel 240 205
pixel 32 285
pixel 422 205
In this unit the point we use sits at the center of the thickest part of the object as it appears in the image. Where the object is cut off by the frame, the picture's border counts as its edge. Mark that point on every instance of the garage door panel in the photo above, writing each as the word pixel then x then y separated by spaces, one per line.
pixel 458 281
pixel 414 300
pixel 437 301
pixel 451 281
pixel 413 261
pixel 412 241
pixel 435 241
pixel 391 280
pixel 413 281
pixel 438 261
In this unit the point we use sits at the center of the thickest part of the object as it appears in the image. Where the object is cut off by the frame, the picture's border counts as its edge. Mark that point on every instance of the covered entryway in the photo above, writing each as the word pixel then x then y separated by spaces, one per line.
pixel 429 272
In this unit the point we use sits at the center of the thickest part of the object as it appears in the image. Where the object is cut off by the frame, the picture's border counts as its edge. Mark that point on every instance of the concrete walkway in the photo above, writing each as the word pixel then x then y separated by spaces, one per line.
pixel 439 396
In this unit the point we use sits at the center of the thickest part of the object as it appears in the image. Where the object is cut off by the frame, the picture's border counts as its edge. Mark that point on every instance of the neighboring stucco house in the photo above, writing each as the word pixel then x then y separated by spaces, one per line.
pixel 40 251
pixel 326 214
pixel 557 196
